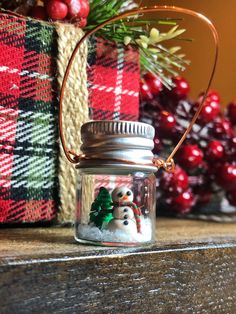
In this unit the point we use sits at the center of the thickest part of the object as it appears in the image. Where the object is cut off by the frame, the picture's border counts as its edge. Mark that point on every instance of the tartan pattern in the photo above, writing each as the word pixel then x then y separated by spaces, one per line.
pixel 113 81
pixel 28 111
pixel 28 119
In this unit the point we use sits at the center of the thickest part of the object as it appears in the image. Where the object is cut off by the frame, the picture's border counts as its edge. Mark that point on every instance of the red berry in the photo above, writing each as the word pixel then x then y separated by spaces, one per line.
pixel 227 176
pixel 181 88
pixel 166 121
pixel 221 127
pixel 39 12
pixel 231 112
pixel 214 96
pixel 77 8
pixel 145 92
pixel 176 182
pixel 209 111
pixel 231 196
pixel 154 83
pixel 215 150
pixel 190 156
pixel 56 9
pixel 215 106
pixel 211 96
pixel 183 202
pixel 84 12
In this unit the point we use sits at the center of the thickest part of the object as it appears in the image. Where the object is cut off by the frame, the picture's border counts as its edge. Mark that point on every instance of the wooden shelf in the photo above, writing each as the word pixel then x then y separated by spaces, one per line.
pixel 190 269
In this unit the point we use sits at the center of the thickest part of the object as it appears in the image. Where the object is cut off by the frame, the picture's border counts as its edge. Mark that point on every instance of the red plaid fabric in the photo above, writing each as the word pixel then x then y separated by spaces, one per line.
pixel 113 78
pixel 28 111
pixel 28 119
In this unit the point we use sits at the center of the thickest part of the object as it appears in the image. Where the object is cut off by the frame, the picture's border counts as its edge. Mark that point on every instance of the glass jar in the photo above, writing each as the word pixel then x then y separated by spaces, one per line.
pixel 116 188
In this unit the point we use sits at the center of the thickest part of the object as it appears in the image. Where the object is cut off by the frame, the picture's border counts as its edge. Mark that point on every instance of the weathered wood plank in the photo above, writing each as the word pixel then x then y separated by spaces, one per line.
pixel 20 243
pixel 191 269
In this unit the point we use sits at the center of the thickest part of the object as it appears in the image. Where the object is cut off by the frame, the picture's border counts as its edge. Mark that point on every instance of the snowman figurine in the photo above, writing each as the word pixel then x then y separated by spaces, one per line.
pixel 126 214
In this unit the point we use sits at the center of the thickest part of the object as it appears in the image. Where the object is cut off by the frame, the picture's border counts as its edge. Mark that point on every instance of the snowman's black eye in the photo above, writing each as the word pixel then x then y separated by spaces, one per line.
pixel 128 193
pixel 120 194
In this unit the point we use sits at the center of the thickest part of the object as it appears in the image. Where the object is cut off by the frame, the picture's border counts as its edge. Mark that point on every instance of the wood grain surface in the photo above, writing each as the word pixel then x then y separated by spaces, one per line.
pixel 190 269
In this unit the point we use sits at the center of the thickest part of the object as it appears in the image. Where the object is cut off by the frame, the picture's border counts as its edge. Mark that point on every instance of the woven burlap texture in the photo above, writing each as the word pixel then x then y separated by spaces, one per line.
pixel 75 113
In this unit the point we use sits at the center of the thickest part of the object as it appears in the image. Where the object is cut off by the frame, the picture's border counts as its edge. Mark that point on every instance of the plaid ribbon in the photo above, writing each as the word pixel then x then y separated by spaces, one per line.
pixel 28 119
pixel 28 111
pixel 113 81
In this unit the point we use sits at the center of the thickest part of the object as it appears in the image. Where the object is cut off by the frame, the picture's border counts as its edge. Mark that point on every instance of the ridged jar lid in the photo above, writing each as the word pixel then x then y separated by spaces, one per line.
pixel 117 147
pixel 130 128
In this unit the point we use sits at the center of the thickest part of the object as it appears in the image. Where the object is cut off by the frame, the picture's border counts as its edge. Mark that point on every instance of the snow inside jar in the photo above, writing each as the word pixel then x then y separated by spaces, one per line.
pixel 116 188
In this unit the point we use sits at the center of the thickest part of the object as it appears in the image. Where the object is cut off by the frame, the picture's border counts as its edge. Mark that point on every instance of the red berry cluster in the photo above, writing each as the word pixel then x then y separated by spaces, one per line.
pixel 75 11
pixel 206 163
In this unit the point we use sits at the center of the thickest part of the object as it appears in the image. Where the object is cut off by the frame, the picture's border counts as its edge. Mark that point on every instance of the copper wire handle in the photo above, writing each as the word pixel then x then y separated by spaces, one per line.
pixel 169 163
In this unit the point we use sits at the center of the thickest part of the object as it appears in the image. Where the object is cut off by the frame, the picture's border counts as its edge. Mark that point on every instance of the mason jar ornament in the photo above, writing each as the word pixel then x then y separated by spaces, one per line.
pixel 118 166
pixel 116 184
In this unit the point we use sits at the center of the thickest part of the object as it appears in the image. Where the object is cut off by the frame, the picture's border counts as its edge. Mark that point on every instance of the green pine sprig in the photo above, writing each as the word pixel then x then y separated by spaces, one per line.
pixel 141 33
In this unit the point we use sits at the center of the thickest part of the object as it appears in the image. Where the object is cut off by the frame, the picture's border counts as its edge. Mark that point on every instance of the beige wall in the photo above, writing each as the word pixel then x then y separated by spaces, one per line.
pixel 200 52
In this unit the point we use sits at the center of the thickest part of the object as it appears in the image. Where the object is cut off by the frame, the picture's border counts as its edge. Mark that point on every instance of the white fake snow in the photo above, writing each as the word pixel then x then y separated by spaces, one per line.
pixel 92 233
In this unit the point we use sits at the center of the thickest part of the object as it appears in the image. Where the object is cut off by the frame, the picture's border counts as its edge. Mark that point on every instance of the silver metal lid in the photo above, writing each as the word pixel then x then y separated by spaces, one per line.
pixel 117 147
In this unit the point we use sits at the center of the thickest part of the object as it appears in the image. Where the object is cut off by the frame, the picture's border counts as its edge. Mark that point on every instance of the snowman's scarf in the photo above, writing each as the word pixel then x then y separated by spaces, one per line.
pixel 136 211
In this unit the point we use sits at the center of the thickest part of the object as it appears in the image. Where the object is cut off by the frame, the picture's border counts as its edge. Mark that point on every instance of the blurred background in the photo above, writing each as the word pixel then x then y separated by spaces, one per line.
pixel 200 51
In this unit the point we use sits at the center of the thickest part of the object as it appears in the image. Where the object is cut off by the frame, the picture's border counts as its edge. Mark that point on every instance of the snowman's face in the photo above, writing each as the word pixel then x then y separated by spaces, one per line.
pixel 122 194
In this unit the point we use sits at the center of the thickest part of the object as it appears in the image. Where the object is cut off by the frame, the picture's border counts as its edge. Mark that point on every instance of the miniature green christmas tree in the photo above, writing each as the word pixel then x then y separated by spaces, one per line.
pixel 101 209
